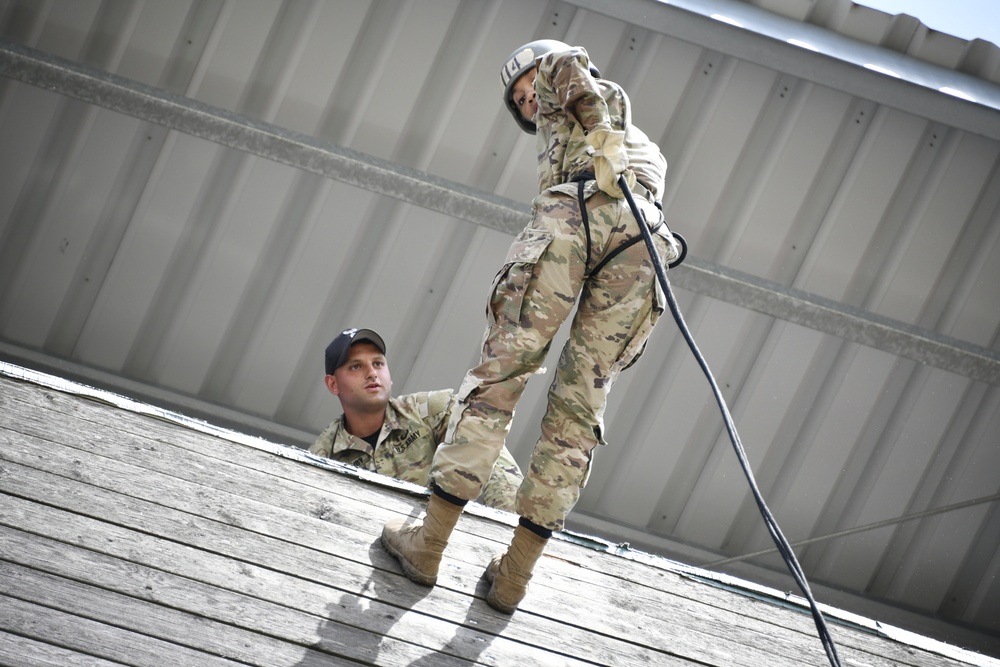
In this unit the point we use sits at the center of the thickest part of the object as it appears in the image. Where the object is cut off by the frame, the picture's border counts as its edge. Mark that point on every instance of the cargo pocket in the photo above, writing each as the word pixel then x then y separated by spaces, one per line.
pixel 507 300
pixel 461 401
pixel 644 323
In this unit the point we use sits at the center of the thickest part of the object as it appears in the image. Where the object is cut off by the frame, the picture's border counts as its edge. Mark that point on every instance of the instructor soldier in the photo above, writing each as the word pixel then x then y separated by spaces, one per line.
pixel 393 435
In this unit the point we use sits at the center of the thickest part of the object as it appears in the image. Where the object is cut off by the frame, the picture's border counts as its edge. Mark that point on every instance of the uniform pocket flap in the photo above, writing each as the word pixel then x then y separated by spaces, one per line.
pixel 528 247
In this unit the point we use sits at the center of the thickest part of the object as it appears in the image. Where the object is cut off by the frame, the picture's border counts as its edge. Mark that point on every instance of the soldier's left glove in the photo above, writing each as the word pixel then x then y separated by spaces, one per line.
pixel 607 146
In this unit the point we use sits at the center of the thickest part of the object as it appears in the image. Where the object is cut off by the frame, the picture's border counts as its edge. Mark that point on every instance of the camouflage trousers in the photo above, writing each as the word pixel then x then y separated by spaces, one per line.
pixel 548 268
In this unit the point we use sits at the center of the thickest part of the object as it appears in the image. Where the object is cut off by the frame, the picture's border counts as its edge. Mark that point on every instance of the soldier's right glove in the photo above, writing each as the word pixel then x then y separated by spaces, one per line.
pixel 607 146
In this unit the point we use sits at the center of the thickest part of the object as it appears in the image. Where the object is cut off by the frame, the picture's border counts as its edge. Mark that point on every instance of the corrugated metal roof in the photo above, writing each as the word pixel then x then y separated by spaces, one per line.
pixel 842 221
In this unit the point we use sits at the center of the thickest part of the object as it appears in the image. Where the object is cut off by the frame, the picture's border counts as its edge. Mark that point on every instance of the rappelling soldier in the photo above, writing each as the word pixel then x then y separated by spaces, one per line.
pixel 582 244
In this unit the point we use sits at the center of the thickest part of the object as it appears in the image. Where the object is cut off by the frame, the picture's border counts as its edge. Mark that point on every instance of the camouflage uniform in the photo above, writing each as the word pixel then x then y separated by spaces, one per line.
pixel 414 425
pixel 554 261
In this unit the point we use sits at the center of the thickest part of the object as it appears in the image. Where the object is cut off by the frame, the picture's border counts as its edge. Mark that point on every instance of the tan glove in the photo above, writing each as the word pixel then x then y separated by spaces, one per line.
pixel 610 159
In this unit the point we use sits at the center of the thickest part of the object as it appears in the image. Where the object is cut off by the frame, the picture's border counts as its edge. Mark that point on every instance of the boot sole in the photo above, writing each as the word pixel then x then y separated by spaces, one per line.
pixel 412 573
pixel 491 598
pixel 494 602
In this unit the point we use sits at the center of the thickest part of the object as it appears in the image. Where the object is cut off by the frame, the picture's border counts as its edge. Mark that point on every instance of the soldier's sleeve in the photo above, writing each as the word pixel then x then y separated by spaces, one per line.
pixel 501 489
pixel 564 78
pixel 324 443
pixel 439 406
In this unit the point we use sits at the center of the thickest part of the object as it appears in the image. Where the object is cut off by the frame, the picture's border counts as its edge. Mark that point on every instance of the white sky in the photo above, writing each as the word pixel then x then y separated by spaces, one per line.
pixel 967 19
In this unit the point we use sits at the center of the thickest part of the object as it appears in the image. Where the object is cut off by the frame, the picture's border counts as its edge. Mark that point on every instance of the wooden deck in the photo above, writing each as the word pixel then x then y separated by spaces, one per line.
pixel 128 539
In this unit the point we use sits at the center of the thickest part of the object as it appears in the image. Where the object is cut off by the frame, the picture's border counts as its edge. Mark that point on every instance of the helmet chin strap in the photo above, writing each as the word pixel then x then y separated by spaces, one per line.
pixel 772 525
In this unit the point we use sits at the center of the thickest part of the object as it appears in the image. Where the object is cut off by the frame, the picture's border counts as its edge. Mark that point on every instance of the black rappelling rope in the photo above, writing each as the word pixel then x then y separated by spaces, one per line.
pixel 772 526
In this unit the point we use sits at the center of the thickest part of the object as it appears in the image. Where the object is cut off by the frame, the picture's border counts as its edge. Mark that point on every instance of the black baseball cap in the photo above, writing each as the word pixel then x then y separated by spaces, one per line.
pixel 336 351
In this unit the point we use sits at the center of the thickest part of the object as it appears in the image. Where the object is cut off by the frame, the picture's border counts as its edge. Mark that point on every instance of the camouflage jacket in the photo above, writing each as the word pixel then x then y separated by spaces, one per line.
pixel 571 103
pixel 414 426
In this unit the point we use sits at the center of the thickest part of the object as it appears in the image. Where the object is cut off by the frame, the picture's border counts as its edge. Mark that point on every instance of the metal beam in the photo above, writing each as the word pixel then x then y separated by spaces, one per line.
pixel 839 319
pixel 243 133
pixel 450 198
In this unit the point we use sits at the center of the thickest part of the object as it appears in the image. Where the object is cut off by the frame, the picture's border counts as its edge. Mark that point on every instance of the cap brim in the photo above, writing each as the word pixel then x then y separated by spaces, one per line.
pixel 369 336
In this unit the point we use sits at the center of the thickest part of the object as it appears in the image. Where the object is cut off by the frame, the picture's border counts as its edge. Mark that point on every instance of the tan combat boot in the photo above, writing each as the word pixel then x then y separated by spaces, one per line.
pixel 419 546
pixel 510 573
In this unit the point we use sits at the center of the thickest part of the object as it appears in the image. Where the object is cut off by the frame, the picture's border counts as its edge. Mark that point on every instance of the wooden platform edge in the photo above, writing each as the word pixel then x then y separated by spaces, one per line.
pixel 734 584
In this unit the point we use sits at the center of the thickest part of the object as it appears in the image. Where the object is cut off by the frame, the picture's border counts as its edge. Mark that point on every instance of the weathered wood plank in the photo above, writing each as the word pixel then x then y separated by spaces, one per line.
pixel 650 606
pixel 193 630
pixel 18 651
pixel 700 635
pixel 295 611
pixel 297 472
pixel 98 639
pixel 136 610
pixel 328 606
pixel 159 445
pixel 166 457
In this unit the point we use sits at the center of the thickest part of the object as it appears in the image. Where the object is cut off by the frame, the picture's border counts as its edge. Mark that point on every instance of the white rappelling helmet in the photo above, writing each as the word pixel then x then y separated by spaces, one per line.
pixel 520 62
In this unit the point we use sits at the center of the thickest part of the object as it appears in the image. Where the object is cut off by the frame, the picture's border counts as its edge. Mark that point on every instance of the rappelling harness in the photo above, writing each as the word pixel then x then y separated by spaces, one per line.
pixel 581 181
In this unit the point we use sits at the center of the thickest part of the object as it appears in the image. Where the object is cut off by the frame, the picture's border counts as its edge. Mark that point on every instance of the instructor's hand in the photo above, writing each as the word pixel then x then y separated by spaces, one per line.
pixel 610 159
